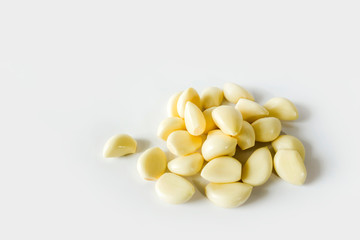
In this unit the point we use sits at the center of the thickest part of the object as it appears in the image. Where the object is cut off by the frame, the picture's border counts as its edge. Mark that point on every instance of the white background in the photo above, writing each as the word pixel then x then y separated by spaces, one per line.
pixel 74 73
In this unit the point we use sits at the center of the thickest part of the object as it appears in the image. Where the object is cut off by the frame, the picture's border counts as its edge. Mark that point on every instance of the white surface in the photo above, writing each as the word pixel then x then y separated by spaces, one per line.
pixel 74 73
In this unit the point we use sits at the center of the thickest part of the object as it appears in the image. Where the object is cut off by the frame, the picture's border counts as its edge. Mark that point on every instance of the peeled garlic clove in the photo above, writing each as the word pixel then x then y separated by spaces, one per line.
pixel 211 97
pixel 251 110
pixel 282 109
pixel 186 165
pixel 194 119
pixel 152 164
pixel 228 195
pixel 257 169
pixel 172 105
pixel 246 137
pixel 228 119
pixel 222 170
pixel 170 125
pixel 289 165
pixel 189 94
pixel 233 92
pixel 289 142
pixel 182 143
pixel 218 144
pixel 266 129
pixel 119 145
pixel 210 124
pixel 174 189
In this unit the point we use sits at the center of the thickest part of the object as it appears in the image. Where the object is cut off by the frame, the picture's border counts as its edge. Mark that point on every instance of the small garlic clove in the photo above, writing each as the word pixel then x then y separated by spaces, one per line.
pixel 246 137
pixel 119 145
pixel 266 129
pixel 228 195
pixel 218 144
pixel 282 109
pixel 228 119
pixel 172 105
pixel 250 110
pixel 186 165
pixel 211 97
pixel 258 168
pixel 289 142
pixel 194 119
pixel 222 170
pixel 152 164
pixel 210 124
pixel 233 92
pixel 289 165
pixel 189 94
pixel 169 125
pixel 174 189
pixel 182 143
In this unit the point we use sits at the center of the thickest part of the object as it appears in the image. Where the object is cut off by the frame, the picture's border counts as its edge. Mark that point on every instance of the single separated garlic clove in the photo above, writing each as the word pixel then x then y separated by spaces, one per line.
pixel 211 97
pixel 186 165
pixel 182 143
pixel 119 145
pixel 169 125
pixel 210 124
pixel 228 119
pixel 289 142
pixel 218 144
pixel 228 195
pixel 172 105
pixel 174 189
pixel 282 109
pixel 266 129
pixel 246 137
pixel 152 164
pixel 251 110
pixel 189 94
pixel 233 92
pixel 257 169
pixel 222 170
pixel 289 165
pixel 194 119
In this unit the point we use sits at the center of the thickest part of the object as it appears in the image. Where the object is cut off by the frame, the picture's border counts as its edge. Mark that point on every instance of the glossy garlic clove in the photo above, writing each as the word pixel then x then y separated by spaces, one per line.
pixel 186 165
pixel 228 119
pixel 182 143
pixel 289 142
pixel 282 109
pixel 210 124
pixel 152 164
pixel 222 170
pixel 228 195
pixel 172 105
pixel 233 92
pixel 119 145
pixel 258 168
pixel 218 144
pixel 194 119
pixel 189 94
pixel 174 189
pixel 250 110
pixel 169 125
pixel 246 137
pixel 289 165
pixel 266 129
pixel 211 97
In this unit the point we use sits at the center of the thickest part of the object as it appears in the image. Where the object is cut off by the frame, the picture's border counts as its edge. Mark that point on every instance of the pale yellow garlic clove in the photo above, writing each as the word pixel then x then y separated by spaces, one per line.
pixel 218 144
pixel 170 125
pixel 228 195
pixel 174 189
pixel 194 119
pixel 211 97
pixel 172 105
pixel 152 164
pixel 186 165
pixel 222 170
pixel 182 143
pixel 246 137
pixel 210 124
pixel 289 165
pixel 250 110
pixel 228 119
pixel 119 145
pixel 257 169
pixel 189 94
pixel 282 109
pixel 289 142
pixel 266 129
pixel 233 92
